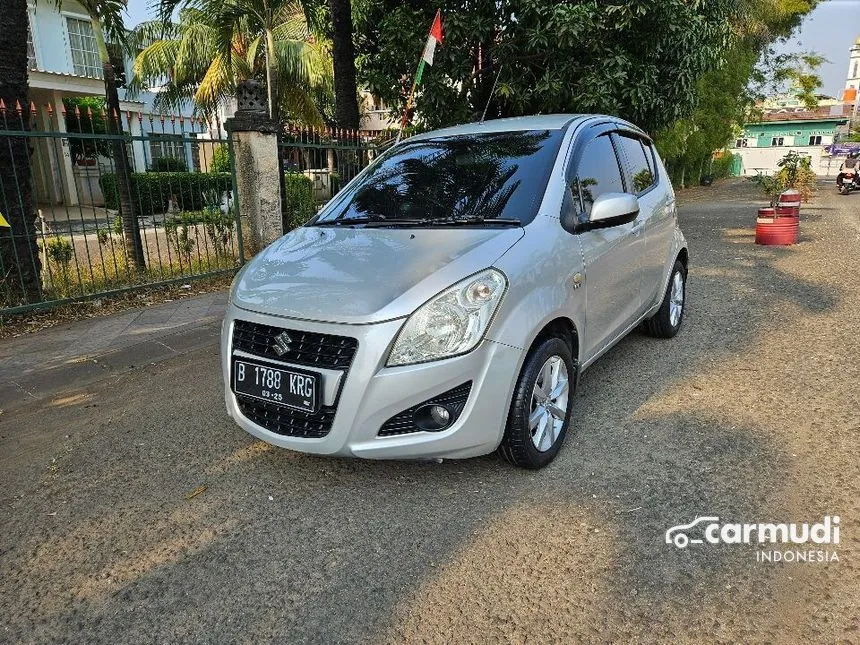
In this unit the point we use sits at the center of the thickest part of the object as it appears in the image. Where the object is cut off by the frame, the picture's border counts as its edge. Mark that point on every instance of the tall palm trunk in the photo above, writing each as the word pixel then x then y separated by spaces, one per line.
pixel 272 76
pixel 122 167
pixel 343 58
pixel 20 267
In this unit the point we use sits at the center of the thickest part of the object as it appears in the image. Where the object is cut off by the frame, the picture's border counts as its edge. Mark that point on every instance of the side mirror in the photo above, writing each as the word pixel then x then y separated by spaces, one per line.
pixel 613 209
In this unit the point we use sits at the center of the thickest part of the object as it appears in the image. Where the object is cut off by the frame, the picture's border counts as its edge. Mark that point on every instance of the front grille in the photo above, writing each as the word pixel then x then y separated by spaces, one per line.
pixel 306 347
pixel 286 421
pixel 404 423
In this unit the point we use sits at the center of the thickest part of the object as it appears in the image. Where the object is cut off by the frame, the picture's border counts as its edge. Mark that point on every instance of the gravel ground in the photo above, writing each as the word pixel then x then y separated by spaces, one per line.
pixel 750 414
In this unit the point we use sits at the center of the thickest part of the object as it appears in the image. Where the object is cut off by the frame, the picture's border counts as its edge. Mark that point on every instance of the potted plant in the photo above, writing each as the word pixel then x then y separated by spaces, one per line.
pixel 779 223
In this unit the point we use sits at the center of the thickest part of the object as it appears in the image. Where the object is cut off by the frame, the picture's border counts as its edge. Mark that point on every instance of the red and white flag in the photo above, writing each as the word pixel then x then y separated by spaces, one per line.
pixel 434 37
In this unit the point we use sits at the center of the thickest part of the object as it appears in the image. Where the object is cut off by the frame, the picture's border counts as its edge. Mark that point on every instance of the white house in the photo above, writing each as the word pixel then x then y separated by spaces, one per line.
pixel 64 62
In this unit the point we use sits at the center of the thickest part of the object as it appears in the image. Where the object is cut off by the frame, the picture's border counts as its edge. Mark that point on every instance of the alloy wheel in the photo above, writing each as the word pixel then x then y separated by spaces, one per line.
pixel 549 403
pixel 676 299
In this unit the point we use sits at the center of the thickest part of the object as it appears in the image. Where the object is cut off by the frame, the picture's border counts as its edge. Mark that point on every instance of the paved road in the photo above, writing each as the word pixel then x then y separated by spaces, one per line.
pixel 750 415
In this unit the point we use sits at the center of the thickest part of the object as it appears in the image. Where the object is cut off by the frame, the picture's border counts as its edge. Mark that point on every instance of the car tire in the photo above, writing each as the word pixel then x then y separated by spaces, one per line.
pixel 667 321
pixel 519 445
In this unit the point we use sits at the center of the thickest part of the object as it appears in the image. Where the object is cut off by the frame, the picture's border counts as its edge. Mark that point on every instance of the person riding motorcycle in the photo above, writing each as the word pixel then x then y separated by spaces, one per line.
pixel 851 163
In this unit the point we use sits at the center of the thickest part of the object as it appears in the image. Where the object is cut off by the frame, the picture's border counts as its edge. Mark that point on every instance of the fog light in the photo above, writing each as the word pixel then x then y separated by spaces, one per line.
pixel 432 418
pixel 440 414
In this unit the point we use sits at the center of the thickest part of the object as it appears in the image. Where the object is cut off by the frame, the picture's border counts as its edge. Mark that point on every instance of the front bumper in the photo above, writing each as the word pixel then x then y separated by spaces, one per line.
pixel 369 393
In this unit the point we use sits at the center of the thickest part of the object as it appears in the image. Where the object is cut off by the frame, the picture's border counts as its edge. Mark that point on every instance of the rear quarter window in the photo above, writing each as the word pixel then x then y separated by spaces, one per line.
pixel 639 167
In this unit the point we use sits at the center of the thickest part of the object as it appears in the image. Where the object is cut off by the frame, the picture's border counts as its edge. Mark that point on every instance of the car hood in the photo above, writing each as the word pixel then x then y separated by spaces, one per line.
pixel 364 275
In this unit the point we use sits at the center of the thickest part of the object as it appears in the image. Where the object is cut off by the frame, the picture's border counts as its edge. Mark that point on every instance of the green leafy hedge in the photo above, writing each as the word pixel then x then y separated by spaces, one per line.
pixel 300 202
pixel 167 164
pixel 152 190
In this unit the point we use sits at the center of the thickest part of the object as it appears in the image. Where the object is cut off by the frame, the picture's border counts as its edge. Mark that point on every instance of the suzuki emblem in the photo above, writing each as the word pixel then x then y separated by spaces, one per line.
pixel 282 343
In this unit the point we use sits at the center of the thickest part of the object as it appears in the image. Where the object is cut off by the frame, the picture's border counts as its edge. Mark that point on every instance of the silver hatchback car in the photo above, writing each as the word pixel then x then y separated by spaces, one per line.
pixel 445 303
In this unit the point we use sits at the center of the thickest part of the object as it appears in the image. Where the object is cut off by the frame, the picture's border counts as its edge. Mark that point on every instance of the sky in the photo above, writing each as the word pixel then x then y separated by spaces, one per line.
pixel 829 30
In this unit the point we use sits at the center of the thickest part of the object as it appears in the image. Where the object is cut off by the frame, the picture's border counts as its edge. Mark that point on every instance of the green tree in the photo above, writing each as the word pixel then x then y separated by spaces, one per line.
pixel 20 268
pixel 727 95
pixel 86 114
pixel 107 22
pixel 640 60
pixel 343 55
pixel 217 43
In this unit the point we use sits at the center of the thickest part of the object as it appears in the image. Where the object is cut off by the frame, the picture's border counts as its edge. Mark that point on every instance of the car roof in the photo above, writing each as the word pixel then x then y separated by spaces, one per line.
pixel 519 123
pixel 513 124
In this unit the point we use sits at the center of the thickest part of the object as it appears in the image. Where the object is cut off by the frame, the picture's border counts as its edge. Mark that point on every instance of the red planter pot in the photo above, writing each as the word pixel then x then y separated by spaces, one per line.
pixel 787 211
pixel 777 231
pixel 790 199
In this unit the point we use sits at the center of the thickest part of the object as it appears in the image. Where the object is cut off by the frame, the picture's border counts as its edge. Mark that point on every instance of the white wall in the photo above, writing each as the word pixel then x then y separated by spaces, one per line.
pixel 50 35
pixel 764 160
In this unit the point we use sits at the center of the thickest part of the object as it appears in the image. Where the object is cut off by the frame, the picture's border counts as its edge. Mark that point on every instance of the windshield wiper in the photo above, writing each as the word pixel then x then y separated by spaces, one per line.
pixel 370 219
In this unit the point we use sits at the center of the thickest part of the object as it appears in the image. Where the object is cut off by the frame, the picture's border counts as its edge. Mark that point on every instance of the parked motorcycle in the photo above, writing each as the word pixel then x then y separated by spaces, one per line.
pixel 849 182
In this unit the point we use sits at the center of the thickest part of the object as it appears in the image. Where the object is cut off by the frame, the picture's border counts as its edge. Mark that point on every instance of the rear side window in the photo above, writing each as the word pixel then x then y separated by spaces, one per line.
pixel 641 171
pixel 598 172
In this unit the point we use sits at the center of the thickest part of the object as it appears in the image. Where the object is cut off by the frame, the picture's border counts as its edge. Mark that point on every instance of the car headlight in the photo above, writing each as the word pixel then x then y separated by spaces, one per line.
pixel 452 322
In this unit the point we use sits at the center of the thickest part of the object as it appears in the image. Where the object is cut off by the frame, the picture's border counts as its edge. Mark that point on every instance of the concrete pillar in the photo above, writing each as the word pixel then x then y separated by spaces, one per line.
pixel 67 173
pixel 258 184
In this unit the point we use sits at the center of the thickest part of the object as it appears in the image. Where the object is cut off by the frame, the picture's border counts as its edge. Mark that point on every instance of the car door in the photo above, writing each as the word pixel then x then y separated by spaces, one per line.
pixel 655 210
pixel 611 256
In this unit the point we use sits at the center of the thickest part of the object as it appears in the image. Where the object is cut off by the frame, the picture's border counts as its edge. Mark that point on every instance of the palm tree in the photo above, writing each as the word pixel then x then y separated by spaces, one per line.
pixel 20 267
pixel 343 51
pixel 217 43
pixel 106 19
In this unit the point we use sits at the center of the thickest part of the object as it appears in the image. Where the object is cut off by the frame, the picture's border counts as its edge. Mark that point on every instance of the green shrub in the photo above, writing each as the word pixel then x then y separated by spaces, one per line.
pixel 722 166
pixel 60 251
pixel 220 159
pixel 177 230
pixel 103 236
pixel 151 191
pixel 299 200
pixel 217 226
pixel 167 164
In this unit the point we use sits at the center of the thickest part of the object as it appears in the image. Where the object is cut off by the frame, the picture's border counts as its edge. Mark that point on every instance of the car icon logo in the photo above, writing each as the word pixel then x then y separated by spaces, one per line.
pixel 680 539
pixel 282 343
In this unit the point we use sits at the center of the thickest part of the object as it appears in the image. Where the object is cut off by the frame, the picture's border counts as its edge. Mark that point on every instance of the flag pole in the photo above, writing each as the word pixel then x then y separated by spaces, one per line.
pixel 411 98
pixel 435 33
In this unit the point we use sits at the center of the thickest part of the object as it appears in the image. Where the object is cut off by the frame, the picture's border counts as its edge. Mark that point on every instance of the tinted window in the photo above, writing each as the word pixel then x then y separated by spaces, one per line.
pixel 649 157
pixel 641 173
pixel 492 175
pixel 598 172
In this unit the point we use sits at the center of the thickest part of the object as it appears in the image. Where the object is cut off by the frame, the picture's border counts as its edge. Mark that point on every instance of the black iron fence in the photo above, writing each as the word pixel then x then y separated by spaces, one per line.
pixel 92 213
pixel 318 162
pixel 100 203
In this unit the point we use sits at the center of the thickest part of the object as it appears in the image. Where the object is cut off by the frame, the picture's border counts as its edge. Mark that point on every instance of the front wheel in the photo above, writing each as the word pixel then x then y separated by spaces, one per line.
pixel 667 321
pixel 541 407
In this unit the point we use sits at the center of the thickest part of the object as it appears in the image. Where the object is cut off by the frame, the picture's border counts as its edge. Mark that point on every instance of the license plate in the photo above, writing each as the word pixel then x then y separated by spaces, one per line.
pixel 288 387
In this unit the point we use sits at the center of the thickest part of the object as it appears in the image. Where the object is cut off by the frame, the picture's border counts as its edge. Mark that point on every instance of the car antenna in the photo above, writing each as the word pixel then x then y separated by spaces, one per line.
pixel 492 91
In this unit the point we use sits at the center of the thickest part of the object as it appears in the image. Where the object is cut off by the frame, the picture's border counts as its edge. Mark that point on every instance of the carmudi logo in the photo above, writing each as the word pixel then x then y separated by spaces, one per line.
pixel 709 530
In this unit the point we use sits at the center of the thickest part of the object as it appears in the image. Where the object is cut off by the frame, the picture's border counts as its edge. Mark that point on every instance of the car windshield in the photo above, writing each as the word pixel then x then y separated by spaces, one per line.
pixel 482 179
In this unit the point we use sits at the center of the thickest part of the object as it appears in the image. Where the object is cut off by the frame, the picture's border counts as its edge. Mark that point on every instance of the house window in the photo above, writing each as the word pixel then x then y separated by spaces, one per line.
pixel 741 143
pixel 85 53
pixel 167 146
pixel 31 49
pixel 776 141
pixel 815 140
